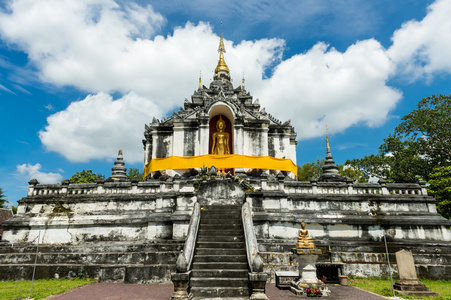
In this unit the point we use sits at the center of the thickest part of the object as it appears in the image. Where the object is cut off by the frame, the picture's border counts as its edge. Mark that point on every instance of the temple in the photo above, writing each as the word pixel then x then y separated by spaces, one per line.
pixel 185 140
pixel 220 185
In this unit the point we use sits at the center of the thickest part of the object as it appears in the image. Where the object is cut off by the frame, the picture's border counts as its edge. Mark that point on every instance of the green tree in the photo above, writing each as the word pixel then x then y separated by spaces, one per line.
pixel 132 172
pixel 85 177
pixel 440 188
pixel 421 142
pixel 311 170
pixel 3 201
pixel 353 173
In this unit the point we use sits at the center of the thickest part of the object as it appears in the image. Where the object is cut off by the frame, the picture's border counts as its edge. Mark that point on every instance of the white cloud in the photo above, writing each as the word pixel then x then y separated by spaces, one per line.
pixel 421 48
pixel 2 87
pixel 97 47
pixel 49 107
pixel 97 126
pixel 30 171
pixel 326 87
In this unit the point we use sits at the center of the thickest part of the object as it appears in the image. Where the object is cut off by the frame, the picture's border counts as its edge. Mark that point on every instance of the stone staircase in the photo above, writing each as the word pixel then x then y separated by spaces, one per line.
pixel 220 268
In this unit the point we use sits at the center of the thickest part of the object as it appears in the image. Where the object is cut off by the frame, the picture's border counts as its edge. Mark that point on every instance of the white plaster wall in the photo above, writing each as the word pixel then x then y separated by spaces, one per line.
pixel 203 139
pixel 292 152
pixel 177 140
pixel 271 204
pixel 282 230
pixel 288 230
pixel 158 231
pixel 180 231
pixel 368 270
pixel 196 142
pixel 264 138
pixel 102 207
pixel 238 132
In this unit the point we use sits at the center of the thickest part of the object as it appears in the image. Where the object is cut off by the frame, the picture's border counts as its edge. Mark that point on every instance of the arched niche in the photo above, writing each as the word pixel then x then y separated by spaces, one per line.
pixel 223 110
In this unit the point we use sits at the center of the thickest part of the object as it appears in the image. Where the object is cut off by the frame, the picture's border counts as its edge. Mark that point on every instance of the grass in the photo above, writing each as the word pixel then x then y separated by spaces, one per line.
pixel 382 286
pixel 18 290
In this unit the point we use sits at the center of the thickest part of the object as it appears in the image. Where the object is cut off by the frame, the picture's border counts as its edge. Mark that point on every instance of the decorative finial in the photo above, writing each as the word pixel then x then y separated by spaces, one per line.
pixel 200 79
pixel 243 81
pixel 221 43
pixel 327 138
pixel 222 66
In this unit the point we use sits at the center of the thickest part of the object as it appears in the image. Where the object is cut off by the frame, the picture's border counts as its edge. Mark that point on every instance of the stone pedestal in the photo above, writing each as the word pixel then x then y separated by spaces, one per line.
pixel 307 280
pixel 181 281
pixel 258 283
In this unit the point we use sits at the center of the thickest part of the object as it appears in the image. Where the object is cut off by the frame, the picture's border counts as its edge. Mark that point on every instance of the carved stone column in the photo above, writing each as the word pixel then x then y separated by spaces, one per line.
pixel 181 279
pixel 258 280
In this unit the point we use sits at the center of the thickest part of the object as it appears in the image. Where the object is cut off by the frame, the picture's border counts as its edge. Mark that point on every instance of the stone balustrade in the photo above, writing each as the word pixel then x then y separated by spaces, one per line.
pixel 272 184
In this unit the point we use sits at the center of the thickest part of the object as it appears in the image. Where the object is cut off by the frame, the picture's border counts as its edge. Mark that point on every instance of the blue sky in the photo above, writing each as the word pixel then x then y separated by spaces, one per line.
pixel 79 79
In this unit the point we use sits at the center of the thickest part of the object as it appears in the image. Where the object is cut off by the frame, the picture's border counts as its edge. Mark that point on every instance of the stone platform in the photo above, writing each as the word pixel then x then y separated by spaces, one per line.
pixel 350 218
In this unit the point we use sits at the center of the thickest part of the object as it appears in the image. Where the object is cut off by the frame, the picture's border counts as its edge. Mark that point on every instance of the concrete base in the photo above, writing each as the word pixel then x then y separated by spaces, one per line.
pixel 307 280
pixel 258 283
pixel 413 288
pixel 180 281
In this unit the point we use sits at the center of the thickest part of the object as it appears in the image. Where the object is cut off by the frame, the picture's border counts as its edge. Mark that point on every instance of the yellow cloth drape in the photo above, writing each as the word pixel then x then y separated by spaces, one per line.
pixel 220 162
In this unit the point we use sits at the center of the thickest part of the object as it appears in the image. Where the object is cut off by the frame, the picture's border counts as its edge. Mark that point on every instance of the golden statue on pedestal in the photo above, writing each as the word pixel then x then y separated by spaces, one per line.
pixel 304 241
pixel 220 139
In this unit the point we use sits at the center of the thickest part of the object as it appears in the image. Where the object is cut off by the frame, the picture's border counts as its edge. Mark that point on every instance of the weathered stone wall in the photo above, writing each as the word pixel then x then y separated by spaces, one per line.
pixel 130 262
pixel 348 218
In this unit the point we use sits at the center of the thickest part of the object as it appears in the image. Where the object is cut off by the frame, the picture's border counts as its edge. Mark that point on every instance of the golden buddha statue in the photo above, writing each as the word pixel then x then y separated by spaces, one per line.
pixel 304 241
pixel 220 139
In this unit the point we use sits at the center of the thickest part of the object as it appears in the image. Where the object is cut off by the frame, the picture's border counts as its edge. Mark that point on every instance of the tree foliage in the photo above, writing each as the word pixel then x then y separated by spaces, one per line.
pixel 421 142
pixel 440 188
pixel 3 201
pixel 85 176
pixel 132 172
pixel 311 170
pixel 353 173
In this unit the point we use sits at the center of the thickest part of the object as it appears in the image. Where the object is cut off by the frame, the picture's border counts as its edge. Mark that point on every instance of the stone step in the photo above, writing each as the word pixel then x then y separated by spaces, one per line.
pixel 220 273
pixel 104 273
pixel 220 251
pixel 113 247
pixel 211 210
pixel 221 232
pixel 219 221
pixel 235 293
pixel 236 238
pixel 219 216
pixel 221 207
pixel 224 265
pixel 219 282
pixel 211 244
pixel 140 258
pixel 212 226
pixel 220 258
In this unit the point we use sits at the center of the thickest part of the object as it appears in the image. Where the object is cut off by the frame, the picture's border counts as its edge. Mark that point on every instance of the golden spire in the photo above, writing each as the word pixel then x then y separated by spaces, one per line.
pixel 200 79
pixel 243 81
pixel 222 66
pixel 327 138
